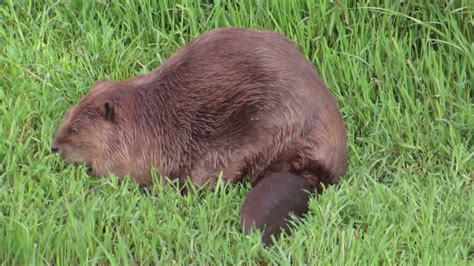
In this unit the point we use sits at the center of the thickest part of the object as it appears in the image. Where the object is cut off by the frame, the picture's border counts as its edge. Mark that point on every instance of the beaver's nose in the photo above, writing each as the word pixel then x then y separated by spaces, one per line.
pixel 54 147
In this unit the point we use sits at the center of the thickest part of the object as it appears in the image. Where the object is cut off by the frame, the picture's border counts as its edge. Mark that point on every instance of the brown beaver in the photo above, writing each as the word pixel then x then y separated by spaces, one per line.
pixel 242 101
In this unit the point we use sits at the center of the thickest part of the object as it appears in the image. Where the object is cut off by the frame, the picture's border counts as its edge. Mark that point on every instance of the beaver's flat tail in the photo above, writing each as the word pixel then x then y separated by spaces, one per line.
pixel 269 204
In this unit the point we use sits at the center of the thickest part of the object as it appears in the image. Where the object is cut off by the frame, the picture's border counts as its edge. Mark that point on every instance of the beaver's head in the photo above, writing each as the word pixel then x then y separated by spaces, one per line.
pixel 86 134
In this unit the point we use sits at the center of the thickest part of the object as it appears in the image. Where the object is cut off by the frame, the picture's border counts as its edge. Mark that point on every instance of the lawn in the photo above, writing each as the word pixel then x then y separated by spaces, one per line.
pixel 402 74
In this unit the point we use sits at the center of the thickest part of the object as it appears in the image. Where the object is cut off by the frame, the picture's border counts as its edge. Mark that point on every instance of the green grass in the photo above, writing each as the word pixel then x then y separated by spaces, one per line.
pixel 402 72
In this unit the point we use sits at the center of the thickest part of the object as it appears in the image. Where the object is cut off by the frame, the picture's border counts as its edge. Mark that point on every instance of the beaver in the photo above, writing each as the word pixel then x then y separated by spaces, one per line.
pixel 236 103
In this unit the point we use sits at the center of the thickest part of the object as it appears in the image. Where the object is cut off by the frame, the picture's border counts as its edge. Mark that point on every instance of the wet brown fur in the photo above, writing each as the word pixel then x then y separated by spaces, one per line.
pixel 245 102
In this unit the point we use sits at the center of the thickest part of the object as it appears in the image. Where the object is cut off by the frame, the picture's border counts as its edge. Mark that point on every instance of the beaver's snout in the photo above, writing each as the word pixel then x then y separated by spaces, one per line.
pixel 54 147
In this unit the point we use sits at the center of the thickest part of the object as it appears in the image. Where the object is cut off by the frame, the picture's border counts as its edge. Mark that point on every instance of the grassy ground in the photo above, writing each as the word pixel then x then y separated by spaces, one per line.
pixel 402 73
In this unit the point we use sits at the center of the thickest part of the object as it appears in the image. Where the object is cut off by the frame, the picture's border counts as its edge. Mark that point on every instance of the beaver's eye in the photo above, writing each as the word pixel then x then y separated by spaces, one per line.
pixel 73 130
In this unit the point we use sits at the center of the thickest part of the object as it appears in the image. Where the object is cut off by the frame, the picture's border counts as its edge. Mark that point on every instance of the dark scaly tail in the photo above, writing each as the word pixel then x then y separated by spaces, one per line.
pixel 269 204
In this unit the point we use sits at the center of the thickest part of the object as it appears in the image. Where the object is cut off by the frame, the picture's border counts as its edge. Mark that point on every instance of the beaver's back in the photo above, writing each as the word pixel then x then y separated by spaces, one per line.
pixel 247 99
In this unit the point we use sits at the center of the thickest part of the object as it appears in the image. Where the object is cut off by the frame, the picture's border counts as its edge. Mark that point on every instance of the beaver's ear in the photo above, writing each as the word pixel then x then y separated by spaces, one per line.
pixel 109 111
